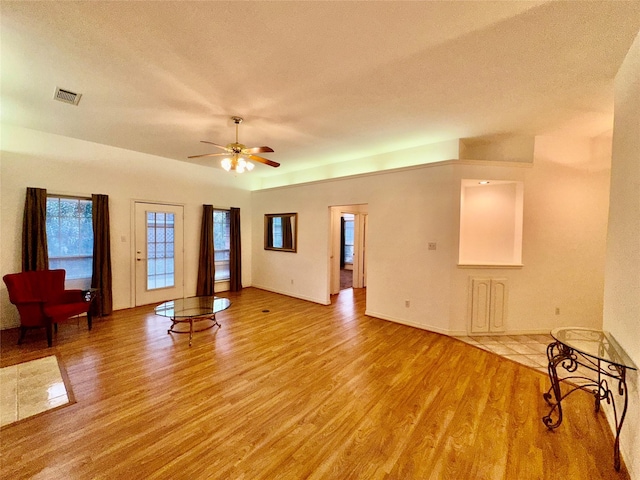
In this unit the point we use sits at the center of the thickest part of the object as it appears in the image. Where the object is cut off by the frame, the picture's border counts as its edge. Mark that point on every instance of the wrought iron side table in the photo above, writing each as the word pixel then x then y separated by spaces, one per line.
pixel 599 353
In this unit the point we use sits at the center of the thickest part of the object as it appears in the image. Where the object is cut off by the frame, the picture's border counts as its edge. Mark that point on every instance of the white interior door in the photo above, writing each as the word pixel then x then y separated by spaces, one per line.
pixel 363 250
pixel 159 262
pixel 358 253
pixel 334 256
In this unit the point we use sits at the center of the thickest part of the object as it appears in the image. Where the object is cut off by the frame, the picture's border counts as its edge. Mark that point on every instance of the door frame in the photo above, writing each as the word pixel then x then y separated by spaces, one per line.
pixel 360 212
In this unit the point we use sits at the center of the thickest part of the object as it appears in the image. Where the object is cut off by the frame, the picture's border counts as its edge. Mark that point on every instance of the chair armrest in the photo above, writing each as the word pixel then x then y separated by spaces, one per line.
pixel 71 296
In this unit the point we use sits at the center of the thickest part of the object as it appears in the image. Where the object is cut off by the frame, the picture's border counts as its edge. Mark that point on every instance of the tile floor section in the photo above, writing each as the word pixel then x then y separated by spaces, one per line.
pixel 529 350
pixel 30 388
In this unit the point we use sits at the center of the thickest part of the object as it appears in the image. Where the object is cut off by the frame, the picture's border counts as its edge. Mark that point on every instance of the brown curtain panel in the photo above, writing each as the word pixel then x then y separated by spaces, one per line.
pixel 101 277
pixel 35 254
pixel 206 265
pixel 235 254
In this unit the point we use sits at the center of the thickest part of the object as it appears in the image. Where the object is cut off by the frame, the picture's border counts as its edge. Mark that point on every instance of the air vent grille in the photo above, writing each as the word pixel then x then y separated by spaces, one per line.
pixel 67 96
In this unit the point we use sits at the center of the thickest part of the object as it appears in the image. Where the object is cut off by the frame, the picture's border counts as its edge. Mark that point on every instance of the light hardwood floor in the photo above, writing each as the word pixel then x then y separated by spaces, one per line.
pixel 300 391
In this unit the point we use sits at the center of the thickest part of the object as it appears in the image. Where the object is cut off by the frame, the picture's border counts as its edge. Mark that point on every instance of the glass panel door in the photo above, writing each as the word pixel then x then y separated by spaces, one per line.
pixel 159 252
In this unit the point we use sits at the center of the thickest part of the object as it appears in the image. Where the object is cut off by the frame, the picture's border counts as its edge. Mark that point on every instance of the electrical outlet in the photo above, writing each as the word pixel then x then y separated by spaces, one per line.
pixel 432 245
pixel 557 310
pixel 407 303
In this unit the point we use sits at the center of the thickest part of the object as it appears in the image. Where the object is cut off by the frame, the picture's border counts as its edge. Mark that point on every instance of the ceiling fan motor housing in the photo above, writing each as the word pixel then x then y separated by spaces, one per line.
pixel 236 147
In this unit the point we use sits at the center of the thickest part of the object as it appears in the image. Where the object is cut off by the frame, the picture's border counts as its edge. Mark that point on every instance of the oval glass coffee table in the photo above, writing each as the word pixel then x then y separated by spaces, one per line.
pixel 192 310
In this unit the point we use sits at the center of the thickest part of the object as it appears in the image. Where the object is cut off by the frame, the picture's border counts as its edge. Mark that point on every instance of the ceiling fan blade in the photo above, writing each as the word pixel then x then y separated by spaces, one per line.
pixel 210 155
pixel 215 145
pixel 266 161
pixel 247 151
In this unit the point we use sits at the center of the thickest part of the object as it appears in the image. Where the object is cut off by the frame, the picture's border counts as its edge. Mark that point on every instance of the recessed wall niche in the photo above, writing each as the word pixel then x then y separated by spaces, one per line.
pixel 491 223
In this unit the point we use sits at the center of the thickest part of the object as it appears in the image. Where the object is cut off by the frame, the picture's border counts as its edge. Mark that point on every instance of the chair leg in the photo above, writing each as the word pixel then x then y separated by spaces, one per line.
pixel 23 332
pixel 49 334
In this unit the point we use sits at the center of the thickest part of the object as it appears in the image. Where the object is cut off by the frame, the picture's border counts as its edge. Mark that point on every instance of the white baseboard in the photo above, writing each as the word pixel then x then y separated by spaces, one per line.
pixel 429 328
pixel 510 332
pixel 291 294
pixel 452 333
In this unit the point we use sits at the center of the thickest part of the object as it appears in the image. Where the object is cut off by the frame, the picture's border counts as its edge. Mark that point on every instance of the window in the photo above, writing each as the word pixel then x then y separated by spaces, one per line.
pixel 221 222
pixel 160 250
pixel 348 237
pixel 277 232
pixel 70 236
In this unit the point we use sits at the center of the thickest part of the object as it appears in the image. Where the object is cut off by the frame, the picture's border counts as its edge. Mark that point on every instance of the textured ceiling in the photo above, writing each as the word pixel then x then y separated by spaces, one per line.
pixel 319 82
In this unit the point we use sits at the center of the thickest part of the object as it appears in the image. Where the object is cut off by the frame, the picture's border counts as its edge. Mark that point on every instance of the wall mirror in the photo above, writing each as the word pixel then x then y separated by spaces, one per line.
pixel 281 232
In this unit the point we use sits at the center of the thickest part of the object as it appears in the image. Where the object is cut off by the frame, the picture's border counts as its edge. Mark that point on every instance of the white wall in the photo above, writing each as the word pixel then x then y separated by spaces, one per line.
pixel 622 277
pixel 67 166
pixel 303 274
pixel 565 215
pixel 564 232
pixel 343 167
pixel 406 209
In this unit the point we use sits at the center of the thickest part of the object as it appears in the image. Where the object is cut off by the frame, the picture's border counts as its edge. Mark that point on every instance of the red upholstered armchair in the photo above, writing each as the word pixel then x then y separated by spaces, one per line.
pixel 42 300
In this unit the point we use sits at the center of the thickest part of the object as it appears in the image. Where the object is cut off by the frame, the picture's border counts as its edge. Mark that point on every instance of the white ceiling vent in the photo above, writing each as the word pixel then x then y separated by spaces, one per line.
pixel 66 96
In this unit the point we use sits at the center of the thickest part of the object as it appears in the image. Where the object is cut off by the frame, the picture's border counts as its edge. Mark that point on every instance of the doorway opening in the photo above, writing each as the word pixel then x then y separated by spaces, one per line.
pixel 347 260
pixel 347 221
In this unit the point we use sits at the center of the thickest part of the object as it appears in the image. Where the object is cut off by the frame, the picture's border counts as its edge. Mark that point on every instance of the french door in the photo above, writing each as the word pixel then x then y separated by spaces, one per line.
pixel 159 260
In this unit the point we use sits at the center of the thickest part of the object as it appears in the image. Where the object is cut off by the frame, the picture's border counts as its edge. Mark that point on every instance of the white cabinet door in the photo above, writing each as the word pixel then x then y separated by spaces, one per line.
pixel 488 304
pixel 499 296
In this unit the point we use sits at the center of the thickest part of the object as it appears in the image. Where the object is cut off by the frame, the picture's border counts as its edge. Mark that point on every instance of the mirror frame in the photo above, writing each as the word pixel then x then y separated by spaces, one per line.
pixel 268 221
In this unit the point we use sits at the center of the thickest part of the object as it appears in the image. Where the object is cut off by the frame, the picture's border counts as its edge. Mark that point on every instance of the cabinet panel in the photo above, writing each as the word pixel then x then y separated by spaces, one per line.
pixel 499 295
pixel 488 304
pixel 480 304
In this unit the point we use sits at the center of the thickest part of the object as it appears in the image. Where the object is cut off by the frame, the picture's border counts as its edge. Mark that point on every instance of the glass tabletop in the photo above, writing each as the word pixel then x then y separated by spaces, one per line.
pixel 192 307
pixel 594 343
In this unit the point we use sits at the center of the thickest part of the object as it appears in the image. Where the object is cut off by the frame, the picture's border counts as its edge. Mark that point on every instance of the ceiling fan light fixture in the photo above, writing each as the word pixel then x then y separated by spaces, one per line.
pixel 235 162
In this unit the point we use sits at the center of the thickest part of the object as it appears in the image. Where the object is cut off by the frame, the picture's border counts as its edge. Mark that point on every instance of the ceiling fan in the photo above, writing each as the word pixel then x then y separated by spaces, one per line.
pixel 235 153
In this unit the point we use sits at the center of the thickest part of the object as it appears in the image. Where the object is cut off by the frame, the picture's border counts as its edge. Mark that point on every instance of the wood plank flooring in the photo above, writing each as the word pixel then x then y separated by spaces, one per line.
pixel 300 391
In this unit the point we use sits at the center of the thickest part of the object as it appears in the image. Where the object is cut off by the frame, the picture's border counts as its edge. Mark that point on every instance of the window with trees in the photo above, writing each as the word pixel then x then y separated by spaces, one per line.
pixel 70 236
pixel 221 229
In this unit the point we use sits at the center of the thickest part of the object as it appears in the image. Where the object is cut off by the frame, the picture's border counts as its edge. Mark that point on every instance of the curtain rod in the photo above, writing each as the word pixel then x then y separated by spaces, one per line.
pixel 74 197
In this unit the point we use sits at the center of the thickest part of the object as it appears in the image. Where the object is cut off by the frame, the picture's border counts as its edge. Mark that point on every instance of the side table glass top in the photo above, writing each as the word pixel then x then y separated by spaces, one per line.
pixel 192 307
pixel 594 343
